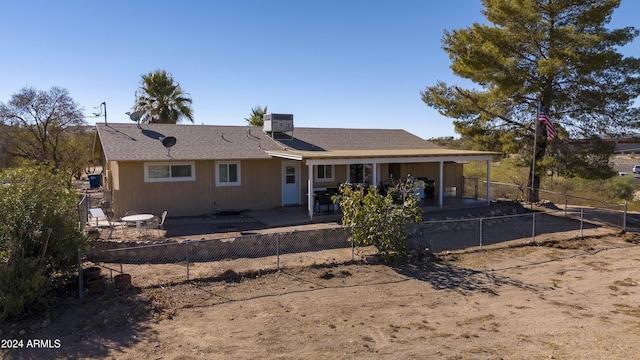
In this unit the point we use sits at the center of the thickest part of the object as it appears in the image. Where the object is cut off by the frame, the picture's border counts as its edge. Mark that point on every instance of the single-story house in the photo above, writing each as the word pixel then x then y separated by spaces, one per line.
pixel 192 170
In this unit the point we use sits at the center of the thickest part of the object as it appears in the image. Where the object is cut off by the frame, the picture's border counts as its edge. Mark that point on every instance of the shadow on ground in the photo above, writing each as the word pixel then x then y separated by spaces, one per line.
pixel 197 228
pixel 445 276
pixel 97 327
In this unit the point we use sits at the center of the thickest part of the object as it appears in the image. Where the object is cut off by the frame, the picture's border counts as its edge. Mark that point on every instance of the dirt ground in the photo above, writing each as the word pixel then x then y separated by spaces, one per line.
pixel 559 299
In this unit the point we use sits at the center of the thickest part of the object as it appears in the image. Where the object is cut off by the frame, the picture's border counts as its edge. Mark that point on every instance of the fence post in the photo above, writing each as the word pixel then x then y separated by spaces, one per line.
pixel 85 216
pixel 480 233
pixel 476 190
pixel 581 220
pixel 79 275
pixel 533 230
pixel 278 251
pixel 566 204
pixel 624 218
pixel 187 245
pixel 353 246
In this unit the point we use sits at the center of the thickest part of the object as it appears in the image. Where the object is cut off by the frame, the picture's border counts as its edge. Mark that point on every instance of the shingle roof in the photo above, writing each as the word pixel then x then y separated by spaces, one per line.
pixel 202 142
pixel 313 139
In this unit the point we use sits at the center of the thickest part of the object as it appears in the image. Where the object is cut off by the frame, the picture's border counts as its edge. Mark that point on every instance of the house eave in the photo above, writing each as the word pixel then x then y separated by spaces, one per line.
pixel 338 157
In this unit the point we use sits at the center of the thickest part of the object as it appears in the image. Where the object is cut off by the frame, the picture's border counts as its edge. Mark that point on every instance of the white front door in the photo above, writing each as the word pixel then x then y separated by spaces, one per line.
pixel 290 183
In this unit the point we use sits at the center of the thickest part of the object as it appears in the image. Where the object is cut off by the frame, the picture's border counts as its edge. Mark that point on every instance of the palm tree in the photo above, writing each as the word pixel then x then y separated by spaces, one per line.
pixel 255 118
pixel 162 99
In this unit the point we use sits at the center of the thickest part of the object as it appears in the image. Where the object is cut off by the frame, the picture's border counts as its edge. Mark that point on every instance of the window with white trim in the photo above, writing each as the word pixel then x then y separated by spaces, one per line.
pixel 228 173
pixel 169 171
pixel 324 173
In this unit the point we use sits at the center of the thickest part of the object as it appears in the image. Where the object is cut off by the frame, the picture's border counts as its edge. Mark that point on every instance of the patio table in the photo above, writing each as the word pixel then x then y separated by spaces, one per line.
pixel 138 219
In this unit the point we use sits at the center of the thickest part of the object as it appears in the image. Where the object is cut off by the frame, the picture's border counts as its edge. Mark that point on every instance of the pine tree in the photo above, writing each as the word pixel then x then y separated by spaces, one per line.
pixel 558 53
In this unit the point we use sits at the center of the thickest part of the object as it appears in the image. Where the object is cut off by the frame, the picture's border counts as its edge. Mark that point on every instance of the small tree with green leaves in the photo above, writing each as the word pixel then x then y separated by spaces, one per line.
pixel 41 126
pixel 381 220
pixel 39 237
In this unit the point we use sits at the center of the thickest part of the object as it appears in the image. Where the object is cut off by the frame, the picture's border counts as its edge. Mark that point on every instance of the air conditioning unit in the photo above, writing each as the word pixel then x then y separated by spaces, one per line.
pixel 277 123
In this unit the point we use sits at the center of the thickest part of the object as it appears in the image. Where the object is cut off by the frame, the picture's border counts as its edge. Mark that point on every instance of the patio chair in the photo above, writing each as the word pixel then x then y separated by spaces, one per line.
pixel 116 224
pixel 323 198
pixel 130 212
pixel 156 223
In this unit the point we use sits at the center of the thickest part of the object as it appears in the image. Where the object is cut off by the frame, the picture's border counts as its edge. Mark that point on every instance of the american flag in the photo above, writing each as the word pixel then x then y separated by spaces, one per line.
pixel 543 118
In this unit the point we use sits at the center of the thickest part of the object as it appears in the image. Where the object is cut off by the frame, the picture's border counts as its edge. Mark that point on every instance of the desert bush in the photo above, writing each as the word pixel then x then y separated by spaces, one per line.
pixel 380 220
pixel 39 237
pixel 622 187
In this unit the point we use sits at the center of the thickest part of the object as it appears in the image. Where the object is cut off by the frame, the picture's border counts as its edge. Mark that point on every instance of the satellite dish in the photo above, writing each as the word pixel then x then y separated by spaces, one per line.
pixel 136 115
pixel 169 141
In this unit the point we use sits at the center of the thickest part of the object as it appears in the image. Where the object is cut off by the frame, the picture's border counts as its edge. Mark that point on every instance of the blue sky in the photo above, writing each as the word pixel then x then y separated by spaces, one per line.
pixel 331 63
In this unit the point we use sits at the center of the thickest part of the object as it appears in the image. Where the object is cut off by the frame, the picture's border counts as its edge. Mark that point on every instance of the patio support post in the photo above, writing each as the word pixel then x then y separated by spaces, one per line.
pixel 440 188
pixel 187 258
pixel 488 182
pixel 374 167
pixel 310 191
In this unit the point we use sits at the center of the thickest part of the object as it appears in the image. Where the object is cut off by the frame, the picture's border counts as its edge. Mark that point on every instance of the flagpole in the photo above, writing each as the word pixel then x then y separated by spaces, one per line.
pixel 535 144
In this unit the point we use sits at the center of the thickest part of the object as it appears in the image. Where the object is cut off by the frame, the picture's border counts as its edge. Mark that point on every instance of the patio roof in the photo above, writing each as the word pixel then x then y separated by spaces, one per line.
pixel 381 155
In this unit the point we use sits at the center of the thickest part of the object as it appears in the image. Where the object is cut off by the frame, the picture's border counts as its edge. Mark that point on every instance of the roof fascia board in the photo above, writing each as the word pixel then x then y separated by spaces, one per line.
pixel 97 140
pixel 398 159
pixel 284 156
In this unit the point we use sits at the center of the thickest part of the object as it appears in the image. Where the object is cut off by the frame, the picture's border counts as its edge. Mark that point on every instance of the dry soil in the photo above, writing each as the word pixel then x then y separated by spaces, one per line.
pixel 560 299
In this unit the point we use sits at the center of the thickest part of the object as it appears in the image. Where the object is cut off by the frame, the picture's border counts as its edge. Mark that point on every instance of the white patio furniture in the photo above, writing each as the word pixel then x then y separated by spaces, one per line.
pixel 157 223
pixel 137 219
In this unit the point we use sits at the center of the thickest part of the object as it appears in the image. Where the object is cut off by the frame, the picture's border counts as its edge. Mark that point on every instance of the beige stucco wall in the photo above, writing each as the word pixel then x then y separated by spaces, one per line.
pixel 261 186
pixel 260 189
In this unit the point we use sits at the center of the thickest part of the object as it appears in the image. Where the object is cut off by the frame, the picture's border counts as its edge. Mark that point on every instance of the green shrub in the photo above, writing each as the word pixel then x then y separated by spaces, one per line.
pixel 622 187
pixel 39 237
pixel 380 220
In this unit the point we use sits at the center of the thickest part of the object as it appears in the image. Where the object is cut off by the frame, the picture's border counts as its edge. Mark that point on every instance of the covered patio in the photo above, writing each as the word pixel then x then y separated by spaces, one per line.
pixel 375 167
pixel 298 215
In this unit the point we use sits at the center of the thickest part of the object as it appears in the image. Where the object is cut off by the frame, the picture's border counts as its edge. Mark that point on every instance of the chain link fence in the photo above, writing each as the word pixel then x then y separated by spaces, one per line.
pixel 593 209
pixel 456 234
pixel 92 199
pixel 166 262
pixel 229 258
pixel 170 262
